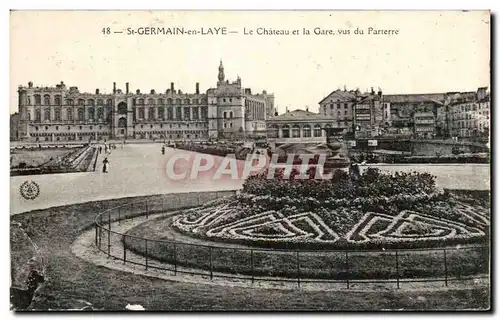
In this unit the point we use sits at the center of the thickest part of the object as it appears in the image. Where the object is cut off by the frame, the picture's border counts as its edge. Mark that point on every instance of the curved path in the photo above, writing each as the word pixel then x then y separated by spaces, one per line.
pixel 85 248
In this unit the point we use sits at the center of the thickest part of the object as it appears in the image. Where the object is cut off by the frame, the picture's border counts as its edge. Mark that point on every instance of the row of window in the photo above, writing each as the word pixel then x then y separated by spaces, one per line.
pixel 151 101
pixel 468 116
pixel 57 100
pixel 338 106
pixel 47 101
pixel 196 125
pixel 306 132
pixel 102 137
pixel 470 107
pixel 100 114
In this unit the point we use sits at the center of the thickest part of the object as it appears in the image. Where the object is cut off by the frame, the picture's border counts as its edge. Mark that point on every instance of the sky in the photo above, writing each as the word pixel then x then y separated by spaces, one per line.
pixel 431 52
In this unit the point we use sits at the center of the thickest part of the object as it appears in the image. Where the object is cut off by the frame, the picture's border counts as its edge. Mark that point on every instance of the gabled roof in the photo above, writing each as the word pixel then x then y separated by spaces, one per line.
pixel 341 95
pixel 300 114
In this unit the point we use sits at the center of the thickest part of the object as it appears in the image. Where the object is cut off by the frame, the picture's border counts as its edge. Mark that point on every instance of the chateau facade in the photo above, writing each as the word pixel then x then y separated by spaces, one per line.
pixel 65 114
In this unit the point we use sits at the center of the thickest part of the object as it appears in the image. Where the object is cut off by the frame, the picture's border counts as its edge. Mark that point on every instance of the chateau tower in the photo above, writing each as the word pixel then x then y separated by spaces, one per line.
pixel 221 73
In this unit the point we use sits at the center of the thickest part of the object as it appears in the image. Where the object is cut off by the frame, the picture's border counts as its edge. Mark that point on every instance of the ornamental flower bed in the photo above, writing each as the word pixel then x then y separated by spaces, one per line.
pixel 378 210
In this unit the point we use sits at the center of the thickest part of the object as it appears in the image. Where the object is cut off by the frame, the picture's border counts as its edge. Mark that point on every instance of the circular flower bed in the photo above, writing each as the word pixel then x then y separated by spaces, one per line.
pixel 376 210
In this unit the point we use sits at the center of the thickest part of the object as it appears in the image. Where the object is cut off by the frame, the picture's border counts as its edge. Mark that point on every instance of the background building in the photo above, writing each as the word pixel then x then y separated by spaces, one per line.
pixel 469 113
pixel 65 114
pixel 298 126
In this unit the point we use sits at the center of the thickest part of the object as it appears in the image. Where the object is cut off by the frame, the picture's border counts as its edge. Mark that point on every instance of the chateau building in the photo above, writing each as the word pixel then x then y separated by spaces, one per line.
pixel 65 114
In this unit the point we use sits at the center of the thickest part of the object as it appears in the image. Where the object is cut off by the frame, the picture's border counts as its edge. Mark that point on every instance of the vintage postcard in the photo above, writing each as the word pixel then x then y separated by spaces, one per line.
pixel 250 160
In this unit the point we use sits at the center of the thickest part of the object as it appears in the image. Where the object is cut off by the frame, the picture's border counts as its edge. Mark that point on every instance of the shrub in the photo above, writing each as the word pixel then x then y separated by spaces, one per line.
pixel 373 183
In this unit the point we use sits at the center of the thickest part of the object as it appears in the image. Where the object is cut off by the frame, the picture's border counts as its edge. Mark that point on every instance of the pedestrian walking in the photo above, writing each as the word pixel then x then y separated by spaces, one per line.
pixel 105 165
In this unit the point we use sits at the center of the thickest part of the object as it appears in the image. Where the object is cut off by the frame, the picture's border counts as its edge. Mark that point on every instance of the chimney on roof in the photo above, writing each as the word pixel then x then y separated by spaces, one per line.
pixel 307 108
pixel 372 91
pixel 153 91
pixel 379 92
pixel 138 91
pixel 114 87
pixel 126 88
pixel 172 87
pixel 197 88
pixel 96 91
pixel 30 84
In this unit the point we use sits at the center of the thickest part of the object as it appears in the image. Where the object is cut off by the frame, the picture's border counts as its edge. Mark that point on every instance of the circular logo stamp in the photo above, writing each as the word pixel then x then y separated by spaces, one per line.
pixel 29 190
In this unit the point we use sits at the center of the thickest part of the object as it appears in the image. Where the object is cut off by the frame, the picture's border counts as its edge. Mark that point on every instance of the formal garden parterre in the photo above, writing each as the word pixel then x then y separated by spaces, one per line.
pixel 378 210
pixel 305 228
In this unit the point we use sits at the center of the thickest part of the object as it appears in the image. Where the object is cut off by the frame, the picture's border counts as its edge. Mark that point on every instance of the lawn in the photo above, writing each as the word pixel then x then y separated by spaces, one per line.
pixel 35 158
pixel 69 279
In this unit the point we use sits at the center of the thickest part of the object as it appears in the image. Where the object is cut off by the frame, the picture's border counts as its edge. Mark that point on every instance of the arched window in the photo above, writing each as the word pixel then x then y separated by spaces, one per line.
pixel 306 131
pixel 230 115
pixel 90 102
pixel 122 108
pixel 69 114
pixel 57 114
pixel 186 101
pixel 100 113
pixel 38 100
pixel 46 100
pixel 317 131
pixel 122 122
pixel 58 100
pixel 99 102
pixel 109 102
pixel 140 101
pixel 272 131
pixel 196 101
pixel 187 113
pixel 178 114
pixel 178 101
pixel 285 131
pixel 204 112
pixel 161 113
pixel 46 114
pixel 29 116
pixel 29 101
pixel 141 113
pixel 295 131
pixel 161 101
pixel 70 102
pixel 195 113
pixel 91 113
pixel 169 101
pixel 81 114
pixel 38 116
pixel 170 113
pixel 151 113
pixel 151 101
pixel 224 115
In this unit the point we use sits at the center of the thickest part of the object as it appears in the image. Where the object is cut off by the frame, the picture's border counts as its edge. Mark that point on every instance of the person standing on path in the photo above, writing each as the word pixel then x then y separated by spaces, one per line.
pixel 105 164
